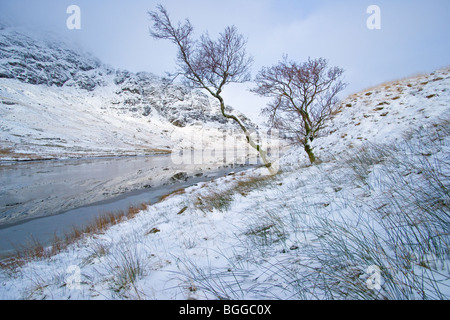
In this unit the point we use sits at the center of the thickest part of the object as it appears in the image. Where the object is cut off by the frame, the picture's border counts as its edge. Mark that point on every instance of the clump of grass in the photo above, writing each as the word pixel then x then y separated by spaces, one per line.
pixel 6 151
pixel 126 267
pixel 222 200
pixel 265 234
pixel 215 283
pixel 363 160
pixel 245 186
pixel 97 250
pixel 174 193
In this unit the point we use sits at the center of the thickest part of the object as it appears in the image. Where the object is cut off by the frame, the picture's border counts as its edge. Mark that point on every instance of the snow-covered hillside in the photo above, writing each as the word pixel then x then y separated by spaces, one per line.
pixel 57 101
pixel 370 221
pixel 384 114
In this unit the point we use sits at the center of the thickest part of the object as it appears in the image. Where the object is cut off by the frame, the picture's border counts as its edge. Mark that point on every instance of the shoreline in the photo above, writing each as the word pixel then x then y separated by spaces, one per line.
pixel 157 152
pixel 43 229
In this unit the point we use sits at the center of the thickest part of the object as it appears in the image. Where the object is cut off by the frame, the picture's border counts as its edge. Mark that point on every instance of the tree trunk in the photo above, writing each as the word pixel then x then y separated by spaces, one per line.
pixel 257 147
pixel 309 151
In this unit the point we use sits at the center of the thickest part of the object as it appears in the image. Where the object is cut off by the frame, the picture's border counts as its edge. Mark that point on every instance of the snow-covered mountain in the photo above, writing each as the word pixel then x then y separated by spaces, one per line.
pixel 58 101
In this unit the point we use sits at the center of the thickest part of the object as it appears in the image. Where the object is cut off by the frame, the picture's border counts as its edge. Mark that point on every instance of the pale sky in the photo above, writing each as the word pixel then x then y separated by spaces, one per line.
pixel 414 35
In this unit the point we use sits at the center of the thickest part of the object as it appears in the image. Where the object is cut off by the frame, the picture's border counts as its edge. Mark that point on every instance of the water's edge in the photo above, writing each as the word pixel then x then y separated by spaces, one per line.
pixel 43 229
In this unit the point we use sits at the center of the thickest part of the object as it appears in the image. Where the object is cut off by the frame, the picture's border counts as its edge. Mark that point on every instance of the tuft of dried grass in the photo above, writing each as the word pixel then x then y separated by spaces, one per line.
pixel 174 193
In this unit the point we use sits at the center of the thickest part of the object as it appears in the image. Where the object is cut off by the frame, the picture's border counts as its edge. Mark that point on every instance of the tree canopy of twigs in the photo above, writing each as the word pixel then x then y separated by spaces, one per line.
pixel 208 64
pixel 304 97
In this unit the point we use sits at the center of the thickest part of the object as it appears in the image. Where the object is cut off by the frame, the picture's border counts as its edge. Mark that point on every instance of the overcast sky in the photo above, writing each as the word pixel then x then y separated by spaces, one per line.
pixel 414 35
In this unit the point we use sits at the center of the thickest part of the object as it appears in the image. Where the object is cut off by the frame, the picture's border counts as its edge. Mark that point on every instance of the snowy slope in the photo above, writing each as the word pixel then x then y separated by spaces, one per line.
pixel 383 114
pixel 57 101
pixel 335 230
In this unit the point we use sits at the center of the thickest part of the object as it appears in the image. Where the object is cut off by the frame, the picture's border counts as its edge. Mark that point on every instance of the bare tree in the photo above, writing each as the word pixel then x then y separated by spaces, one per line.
pixel 208 64
pixel 304 97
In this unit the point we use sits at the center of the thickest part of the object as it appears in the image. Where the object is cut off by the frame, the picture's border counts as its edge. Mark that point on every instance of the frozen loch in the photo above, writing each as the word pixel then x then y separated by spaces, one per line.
pixel 41 199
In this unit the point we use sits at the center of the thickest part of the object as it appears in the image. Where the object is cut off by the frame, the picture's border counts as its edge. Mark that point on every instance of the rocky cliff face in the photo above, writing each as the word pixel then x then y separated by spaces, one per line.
pixel 75 95
pixel 47 61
